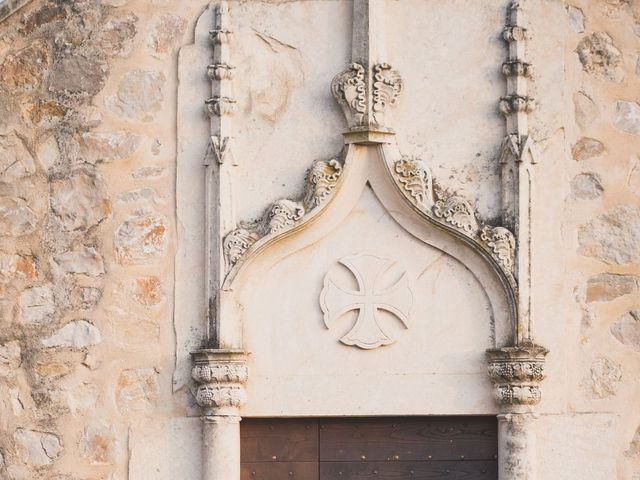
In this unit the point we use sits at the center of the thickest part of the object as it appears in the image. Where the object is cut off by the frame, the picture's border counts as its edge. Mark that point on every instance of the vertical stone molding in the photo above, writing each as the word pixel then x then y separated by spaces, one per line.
pixel 219 164
pixel 220 375
pixel 517 159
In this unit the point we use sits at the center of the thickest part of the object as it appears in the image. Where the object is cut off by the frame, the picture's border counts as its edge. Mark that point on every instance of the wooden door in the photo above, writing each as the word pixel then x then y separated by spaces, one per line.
pixel 421 448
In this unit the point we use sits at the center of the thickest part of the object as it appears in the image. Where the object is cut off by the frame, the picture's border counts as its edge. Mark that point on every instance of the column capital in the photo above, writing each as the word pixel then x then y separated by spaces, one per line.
pixel 221 375
pixel 516 372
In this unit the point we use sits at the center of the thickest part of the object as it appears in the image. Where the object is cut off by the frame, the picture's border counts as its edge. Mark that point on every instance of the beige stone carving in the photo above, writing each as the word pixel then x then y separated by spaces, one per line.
pixel 517 68
pixel 396 299
pixel 458 212
pixel 220 375
pixel 216 396
pixel 220 106
pixel 220 35
pixel 517 372
pixel 218 148
pixel 284 214
pixel 238 241
pixel 322 179
pixel 220 71
pixel 350 91
pixel 415 179
pixel 501 242
pixel 387 86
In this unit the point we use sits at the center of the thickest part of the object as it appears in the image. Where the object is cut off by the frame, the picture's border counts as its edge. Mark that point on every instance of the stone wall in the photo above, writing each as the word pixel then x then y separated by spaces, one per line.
pixel 88 236
pixel 601 229
pixel 87 154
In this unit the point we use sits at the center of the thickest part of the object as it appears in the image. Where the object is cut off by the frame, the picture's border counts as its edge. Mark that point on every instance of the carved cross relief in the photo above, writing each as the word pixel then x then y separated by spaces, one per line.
pixel 371 296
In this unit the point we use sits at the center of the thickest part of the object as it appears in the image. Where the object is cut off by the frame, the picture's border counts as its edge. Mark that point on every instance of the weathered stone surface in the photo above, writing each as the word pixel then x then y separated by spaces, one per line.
pixel 15 160
pixel 586 186
pixel 613 237
pixel 608 286
pixel 146 194
pixel 135 333
pixel 25 70
pixel 36 304
pixel 99 444
pixel 627 117
pixel 147 172
pixel 148 291
pixel 48 153
pixel 605 374
pixel 79 74
pixel 84 260
pixel 52 369
pixel 17 266
pixel 82 398
pixel 600 56
pixel 116 37
pixel 141 238
pixel 139 95
pixel 95 147
pixel 634 445
pixel 47 14
pixel 41 448
pixel 85 298
pixel 586 110
pixel 9 358
pixel 91 361
pixel 47 113
pixel 16 218
pixel 627 329
pixel 76 334
pixel 586 148
pixel 576 19
pixel 137 390
pixel 275 73
pixel 166 33
pixel 80 201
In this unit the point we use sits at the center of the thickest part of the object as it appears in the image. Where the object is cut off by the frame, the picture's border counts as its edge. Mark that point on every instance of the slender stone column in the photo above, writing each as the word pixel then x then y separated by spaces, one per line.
pixel 517 373
pixel 221 375
pixel 516 446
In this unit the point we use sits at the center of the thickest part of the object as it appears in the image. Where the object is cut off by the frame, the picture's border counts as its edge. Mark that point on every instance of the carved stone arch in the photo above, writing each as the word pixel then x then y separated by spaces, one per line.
pixel 366 165
pixel 237 253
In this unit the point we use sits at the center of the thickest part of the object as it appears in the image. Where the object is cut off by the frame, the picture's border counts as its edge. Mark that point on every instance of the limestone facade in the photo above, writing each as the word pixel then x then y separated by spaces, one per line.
pixel 192 195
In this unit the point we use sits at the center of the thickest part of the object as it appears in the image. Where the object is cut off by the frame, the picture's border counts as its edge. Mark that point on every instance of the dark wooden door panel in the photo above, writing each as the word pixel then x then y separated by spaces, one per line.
pixel 449 470
pixel 279 471
pixel 407 448
pixel 279 440
pixel 419 438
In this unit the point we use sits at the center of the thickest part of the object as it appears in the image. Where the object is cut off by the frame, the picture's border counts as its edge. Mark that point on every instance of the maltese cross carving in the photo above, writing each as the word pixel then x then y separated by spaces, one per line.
pixel 372 295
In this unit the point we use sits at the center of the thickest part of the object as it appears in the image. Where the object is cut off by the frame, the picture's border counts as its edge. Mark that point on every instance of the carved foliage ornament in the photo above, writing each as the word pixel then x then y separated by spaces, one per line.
pixel 284 214
pixel 387 85
pixel 457 212
pixel 414 177
pixel 350 90
pixel 502 244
